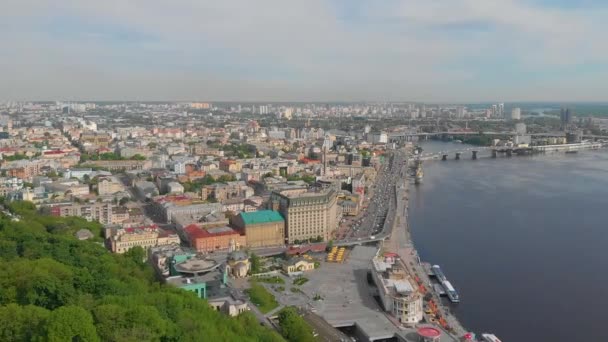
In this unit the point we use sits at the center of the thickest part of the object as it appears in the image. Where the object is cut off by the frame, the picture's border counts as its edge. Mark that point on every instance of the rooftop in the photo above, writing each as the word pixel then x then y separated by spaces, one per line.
pixel 261 216
pixel 181 281
pixel 196 265
pixel 196 232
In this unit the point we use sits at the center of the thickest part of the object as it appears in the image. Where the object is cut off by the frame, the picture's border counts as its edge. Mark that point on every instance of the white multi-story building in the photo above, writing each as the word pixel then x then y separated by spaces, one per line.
pixel 397 290
pixel 9 185
pixel 516 114
pixel 179 168
pixel 460 112
pixel 287 113
pixel 379 138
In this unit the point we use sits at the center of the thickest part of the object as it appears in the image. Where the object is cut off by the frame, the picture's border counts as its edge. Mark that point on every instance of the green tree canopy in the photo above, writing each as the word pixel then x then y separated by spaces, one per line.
pixel 54 287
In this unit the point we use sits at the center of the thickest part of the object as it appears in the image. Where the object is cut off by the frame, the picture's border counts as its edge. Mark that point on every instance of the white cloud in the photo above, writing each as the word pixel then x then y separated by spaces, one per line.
pixel 291 50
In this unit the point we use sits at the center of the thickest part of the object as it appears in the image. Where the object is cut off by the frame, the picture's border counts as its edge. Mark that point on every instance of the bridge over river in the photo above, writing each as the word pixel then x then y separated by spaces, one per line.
pixel 508 150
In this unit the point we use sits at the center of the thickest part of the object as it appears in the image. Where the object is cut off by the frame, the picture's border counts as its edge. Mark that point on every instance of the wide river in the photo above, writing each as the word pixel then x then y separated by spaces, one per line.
pixel 524 240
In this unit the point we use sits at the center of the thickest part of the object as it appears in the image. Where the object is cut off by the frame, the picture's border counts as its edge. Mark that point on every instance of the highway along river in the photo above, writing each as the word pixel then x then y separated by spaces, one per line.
pixel 524 240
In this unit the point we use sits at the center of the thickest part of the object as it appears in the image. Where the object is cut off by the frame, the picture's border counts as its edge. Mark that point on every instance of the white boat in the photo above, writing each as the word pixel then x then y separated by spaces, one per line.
pixel 490 338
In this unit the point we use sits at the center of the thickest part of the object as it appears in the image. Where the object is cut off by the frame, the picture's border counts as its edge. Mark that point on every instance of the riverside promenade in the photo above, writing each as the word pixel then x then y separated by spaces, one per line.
pixel 400 242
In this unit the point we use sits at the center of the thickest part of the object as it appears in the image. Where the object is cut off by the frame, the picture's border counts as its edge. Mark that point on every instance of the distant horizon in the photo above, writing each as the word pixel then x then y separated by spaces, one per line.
pixel 262 102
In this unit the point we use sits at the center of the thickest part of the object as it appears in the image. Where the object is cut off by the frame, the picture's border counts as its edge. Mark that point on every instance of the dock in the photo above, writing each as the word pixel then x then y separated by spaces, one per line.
pixel 439 289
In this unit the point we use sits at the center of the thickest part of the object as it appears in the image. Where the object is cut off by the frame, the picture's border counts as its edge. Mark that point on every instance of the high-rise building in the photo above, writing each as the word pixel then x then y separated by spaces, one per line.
pixel 516 114
pixel 501 110
pixel 287 113
pixel 263 109
pixel 460 111
pixel 308 214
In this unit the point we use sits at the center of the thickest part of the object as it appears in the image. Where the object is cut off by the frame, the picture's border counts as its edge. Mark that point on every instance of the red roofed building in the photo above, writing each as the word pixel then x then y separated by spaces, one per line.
pixel 312 248
pixel 212 239
pixel 310 161
pixel 53 154
pixel 229 165
pixel 104 150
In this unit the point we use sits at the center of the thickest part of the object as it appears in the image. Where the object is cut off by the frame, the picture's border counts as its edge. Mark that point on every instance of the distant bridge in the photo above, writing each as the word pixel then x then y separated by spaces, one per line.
pixel 409 136
pixel 508 150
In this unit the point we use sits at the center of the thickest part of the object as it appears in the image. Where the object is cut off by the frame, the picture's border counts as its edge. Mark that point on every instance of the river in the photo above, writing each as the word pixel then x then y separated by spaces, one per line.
pixel 524 240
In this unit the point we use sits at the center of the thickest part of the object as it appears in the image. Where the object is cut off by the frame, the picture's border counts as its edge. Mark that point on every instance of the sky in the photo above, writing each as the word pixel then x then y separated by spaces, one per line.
pixel 304 50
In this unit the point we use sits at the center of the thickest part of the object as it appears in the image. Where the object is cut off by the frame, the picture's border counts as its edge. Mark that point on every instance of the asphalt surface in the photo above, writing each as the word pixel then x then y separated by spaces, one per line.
pixel 373 220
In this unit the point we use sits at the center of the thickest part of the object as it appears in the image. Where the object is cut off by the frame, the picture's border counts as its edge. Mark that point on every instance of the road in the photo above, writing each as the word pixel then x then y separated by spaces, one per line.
pixel 375 221
pixel 400 242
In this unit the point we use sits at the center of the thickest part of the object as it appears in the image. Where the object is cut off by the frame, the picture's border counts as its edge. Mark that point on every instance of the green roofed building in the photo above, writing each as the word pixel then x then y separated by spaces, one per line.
pixel 262 228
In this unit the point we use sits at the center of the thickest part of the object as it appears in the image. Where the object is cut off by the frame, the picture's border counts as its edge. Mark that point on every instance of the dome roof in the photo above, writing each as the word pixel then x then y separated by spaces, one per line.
pixel 238 256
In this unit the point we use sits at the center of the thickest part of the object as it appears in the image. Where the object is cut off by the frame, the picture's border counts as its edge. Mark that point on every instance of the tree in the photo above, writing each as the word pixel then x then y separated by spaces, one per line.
pixel 23 323
pixel 71 323
pixel 124 200
pixel 137 254
pixel 54 287
pixel 138 157
pixel 293 327
pixel 255 263
pixel 330 245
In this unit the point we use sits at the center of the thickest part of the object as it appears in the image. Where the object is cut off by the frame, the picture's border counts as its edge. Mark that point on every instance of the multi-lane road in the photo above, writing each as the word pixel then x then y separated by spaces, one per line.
pixel 374 222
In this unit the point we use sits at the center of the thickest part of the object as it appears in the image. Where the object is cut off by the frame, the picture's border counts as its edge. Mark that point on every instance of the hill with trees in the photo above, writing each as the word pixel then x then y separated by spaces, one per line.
pixel 54 287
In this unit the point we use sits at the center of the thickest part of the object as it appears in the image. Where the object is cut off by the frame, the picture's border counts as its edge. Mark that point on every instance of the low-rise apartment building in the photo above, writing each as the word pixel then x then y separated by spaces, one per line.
pixel 121 240
pixel 263 228
pixel 213 239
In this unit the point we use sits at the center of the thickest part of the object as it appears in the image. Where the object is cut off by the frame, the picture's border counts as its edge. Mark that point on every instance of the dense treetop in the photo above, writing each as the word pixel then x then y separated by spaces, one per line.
pixel 56 288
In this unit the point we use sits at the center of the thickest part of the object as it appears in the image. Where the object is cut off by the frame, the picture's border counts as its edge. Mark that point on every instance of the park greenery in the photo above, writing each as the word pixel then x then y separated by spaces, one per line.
pixel 16 156
pixel 256 263
pixel 234 149
pixel 263 299
pixel 307 178
pixel 197 184
pixel 84 157
pixel 300 281
pixel 293 326
pixel 54 287
pixel 271 280
pixel 318 239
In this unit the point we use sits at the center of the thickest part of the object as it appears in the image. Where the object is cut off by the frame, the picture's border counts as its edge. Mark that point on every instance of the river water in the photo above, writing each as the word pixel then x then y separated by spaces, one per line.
pixel 524 240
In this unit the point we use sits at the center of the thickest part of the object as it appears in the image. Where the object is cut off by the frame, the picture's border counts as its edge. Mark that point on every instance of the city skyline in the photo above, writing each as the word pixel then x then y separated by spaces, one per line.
pixel 444 51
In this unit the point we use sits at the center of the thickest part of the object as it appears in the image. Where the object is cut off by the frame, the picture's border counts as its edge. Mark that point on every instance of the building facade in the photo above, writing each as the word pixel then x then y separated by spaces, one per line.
pixel 308 214
pixel 213 239
pixel 263 228
pixel 146 237
pixel 101 212
pixel 398 293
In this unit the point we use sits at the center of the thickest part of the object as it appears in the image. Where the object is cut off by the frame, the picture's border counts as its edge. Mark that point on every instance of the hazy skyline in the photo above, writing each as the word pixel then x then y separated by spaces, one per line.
pixel 314 50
